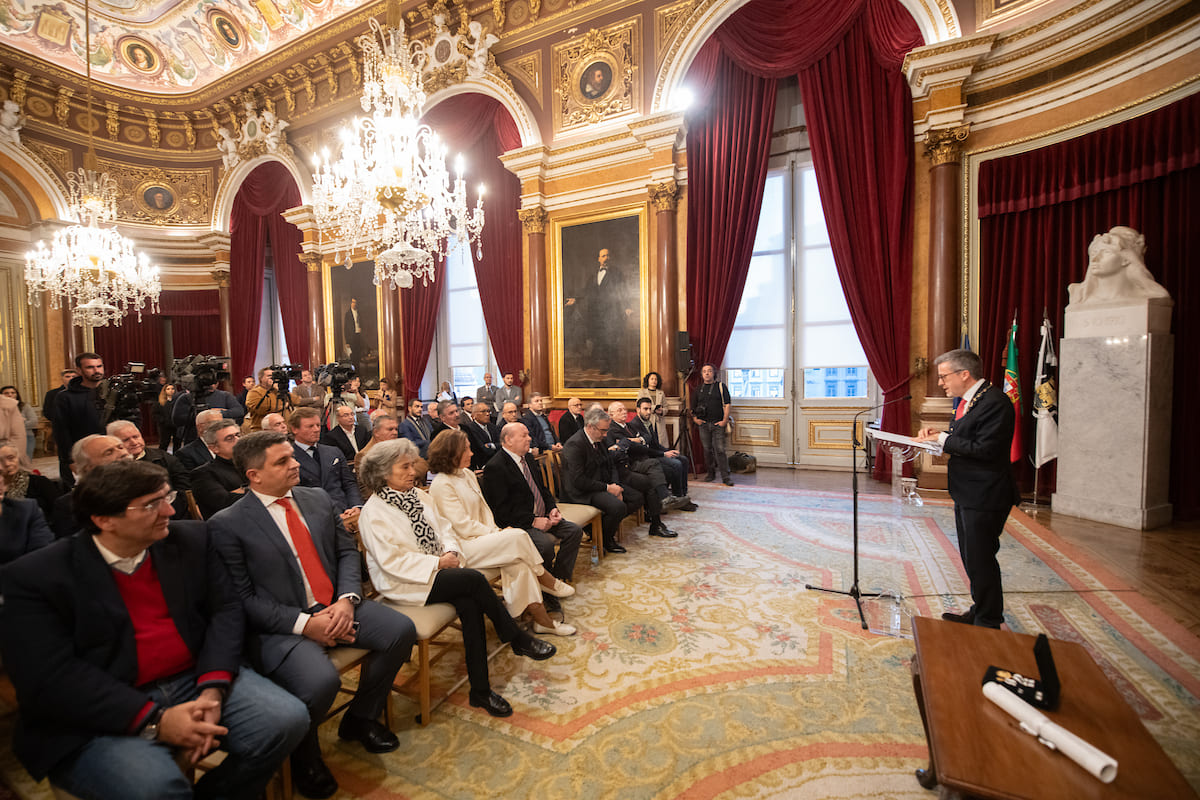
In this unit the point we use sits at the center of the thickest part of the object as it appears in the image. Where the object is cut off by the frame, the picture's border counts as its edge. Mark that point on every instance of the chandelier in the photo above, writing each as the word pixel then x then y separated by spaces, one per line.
pixel 94 271
pixel 389 191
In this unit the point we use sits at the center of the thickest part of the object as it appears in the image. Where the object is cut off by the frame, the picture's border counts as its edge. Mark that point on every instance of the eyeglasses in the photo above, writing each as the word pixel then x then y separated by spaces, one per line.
pixel 943 375
pixel 153 505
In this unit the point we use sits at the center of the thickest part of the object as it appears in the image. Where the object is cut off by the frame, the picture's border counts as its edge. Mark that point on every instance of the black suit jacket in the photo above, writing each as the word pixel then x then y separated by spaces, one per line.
pixel 568 426
pixel 485 442
pixel 979 444
pixel 541 440
pixel 213 486
pixel 622 436
pixel 69 645
pixel 508 494
pixel 338 438
pixel 648 433
pixel 267 575
pixel 329 471
pixel 193 455
pixel 586 470
pixel 177 473
pixel 62 519
pixel 23 529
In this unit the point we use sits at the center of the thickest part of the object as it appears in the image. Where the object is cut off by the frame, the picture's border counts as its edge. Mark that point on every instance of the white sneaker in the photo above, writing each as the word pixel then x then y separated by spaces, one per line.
pixel 559 629
pixel 559 589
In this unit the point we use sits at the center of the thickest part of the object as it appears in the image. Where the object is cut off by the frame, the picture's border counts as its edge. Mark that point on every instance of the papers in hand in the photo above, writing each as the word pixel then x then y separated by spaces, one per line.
pixel 905 441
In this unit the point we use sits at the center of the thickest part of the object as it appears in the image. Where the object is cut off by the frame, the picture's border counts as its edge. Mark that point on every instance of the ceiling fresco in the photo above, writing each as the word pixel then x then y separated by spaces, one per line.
pixel 162 46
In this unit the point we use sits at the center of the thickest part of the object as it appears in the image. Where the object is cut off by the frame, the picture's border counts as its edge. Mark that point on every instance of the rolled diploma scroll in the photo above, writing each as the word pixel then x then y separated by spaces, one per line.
pixel 1054 736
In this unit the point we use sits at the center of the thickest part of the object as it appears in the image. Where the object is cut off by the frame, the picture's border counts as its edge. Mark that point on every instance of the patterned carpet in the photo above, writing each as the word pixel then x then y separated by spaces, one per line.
pixel 704 669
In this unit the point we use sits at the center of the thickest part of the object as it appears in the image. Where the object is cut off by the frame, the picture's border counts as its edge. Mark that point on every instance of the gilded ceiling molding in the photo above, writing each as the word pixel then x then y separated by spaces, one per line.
pixel 594 76
pixel 528 70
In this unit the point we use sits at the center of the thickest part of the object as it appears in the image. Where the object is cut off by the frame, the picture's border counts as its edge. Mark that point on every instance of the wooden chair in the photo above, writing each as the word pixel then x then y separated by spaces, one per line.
pixel 583 515
pixel 193 508
pixel 431 623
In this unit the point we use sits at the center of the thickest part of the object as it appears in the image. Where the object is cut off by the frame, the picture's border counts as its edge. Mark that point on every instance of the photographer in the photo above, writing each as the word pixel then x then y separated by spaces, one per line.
pixel 78 411
pixel 264 398
pixel 712 412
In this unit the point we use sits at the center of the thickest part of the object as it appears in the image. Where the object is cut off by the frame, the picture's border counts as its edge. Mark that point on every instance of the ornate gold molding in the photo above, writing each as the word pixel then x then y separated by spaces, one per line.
pixel 668 21
pixel 62 105
pixel 534 220
pixel 528 70
pixel 221 278
pixel 665 195
pixel 20 82
pixel 312 261
pixel 594 76
pixel 945 145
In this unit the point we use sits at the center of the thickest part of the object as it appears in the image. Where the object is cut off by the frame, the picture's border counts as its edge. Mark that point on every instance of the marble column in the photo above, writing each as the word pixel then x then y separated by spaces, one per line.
pixel 316 310
pixel 534 220
pixel 665 197
pixel 391 361
pixel 221 277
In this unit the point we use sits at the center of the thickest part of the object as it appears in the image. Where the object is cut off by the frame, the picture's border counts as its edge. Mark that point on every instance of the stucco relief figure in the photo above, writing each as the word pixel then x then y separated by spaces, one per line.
pixel 1116 271
pixel 274 127
pixel 228 148
pixel 480 44
pixel 11 122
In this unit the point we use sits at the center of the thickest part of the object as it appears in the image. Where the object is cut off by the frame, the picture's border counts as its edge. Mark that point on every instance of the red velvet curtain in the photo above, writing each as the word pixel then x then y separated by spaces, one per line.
pixel 859 114
pixel 143 341
pixel 481 129
pixel 1038 212
pixel 419 308
pixel 263 196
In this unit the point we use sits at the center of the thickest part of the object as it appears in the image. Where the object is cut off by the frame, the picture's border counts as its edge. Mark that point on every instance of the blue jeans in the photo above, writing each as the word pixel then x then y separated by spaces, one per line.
pixel 265 723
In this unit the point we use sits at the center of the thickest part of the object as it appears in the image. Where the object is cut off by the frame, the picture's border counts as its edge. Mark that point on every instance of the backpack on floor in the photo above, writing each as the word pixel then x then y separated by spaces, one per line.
pixel 742 462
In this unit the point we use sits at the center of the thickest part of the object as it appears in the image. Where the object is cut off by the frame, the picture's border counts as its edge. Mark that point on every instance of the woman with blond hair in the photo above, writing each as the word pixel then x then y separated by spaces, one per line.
pixel 459 501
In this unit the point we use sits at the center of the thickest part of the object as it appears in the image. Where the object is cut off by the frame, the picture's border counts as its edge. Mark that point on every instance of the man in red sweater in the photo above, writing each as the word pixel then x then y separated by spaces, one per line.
pixel 124 645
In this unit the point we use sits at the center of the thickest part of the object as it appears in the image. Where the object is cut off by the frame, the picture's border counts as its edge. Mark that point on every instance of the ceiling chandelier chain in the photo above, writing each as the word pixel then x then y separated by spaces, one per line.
pixel 388 192
pixel 93 271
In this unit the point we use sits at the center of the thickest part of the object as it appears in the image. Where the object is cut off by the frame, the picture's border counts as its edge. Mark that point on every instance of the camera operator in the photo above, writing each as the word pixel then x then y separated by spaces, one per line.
pixel 201 394
pixel 269 396
pixel 78 411
pixel 308 393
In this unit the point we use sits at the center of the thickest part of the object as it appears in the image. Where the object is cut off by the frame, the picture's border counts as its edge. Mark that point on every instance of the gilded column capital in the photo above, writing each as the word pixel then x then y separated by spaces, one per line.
pixel 533 219
pixel 945 145
pixel 312 261
pixel 665 195
pixel 221 277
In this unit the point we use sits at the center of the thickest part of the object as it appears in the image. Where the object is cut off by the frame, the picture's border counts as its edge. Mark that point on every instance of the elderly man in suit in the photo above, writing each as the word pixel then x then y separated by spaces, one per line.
pixel 299 576
pixel 218 484
pixel 196 453
pixel 512 485
pixel 572 421
pixel 23 528
pixel 590 476
pixel 346 435
pixel 124 644
pixel 135 445
pixel 87 454
pixel 980 478
pixel 322 466
pixel 483 435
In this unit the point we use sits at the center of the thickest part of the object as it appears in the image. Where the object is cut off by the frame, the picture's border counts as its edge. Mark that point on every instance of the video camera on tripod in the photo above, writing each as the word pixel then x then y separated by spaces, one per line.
pixel 122 394
pixel 335 375
pixel 283 375
pixel 199 375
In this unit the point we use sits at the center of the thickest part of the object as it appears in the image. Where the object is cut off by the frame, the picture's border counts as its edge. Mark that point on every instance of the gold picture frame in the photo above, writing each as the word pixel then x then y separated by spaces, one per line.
pixel 594 76
pixel 598 323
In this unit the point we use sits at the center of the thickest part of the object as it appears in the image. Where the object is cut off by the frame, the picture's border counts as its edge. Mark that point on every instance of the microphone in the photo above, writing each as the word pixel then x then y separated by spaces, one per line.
pixel 854 426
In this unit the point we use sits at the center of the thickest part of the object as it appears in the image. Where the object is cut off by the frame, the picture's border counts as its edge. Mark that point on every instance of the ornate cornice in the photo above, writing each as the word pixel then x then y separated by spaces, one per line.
pixel 534 220
pixel 945 145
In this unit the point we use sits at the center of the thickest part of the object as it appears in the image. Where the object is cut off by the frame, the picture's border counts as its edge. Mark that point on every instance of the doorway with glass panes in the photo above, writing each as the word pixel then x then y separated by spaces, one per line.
pixel 796 371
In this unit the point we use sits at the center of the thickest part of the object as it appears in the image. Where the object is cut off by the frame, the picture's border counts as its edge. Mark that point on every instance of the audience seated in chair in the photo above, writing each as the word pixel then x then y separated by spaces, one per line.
pixel 26 485
pixel 590 476
pixel 131 436
pixel 23 529
pixel 219 484
pixel 322 466
pixel 87 454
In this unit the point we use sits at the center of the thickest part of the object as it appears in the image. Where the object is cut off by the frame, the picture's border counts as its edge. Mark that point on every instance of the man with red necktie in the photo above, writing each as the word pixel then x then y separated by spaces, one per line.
pixel 980 478
pixel 299 575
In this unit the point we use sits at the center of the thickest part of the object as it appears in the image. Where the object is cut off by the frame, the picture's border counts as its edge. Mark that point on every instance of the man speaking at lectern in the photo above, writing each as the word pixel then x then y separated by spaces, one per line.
pixel 980 478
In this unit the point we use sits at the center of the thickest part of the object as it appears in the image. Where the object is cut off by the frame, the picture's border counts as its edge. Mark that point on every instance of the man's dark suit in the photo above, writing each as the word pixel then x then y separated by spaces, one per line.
pixel 485 442
pixel 179 475
pixel 587 471
pixel 351 335
pixel 982 487
pixel 69 644
pixel 417 433
pixel 675 468
pixel 62 519
pixel 542 439
pixel 568 425
pixel 268 577
pixel 213 485
pixel 193 455
pixel 23 529
pixel 637 467
pixel 184 413
pixel 508 495
pixel 338 438
pixel 328 471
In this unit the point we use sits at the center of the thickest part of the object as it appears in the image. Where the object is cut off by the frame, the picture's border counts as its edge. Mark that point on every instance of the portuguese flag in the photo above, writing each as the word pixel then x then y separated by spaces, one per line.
pixel 1012 388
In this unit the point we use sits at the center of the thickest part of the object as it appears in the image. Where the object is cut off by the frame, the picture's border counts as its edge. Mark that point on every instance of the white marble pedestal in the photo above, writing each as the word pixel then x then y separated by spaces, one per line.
pixel 1114 416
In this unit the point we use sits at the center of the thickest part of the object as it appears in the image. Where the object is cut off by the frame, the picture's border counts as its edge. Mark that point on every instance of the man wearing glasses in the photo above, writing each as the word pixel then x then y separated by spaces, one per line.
pixel 218 484
pixel 980 478
pixel 124 644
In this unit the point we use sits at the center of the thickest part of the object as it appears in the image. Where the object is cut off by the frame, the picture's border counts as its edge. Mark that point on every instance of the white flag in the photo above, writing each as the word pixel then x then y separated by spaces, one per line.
pixel 1045 400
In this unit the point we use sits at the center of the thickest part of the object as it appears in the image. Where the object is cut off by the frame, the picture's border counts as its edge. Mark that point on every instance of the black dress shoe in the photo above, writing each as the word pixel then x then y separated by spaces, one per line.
pixel 492 703
pixel 927 779
pixel 728 481
pixel 689 507
pixel 532 647
pixel 614 548
pixel 313 779
pixel 658 529
pixel 372 734
pixel 966 619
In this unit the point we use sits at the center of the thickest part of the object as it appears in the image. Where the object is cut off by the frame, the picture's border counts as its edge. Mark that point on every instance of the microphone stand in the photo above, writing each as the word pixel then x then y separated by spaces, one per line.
pixel 854 591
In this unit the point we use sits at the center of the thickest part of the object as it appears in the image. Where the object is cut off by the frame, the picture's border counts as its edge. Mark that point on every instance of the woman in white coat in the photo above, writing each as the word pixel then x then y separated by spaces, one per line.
pixel 414 559
pixel 460 502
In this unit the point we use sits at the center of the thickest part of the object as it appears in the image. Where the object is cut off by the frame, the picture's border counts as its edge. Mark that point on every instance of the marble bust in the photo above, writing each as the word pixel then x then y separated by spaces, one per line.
pixel 1116 271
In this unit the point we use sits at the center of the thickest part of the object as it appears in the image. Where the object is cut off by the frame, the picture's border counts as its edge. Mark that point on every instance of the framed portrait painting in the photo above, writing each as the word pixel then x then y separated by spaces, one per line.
pixel 601 307
pixel 352 320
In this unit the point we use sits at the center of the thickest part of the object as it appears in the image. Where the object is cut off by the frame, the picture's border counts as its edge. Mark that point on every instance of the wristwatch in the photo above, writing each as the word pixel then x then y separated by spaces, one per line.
pixel 149 731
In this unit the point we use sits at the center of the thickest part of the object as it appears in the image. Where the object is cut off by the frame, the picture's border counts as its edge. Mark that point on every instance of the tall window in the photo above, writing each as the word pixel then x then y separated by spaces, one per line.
pixel 793 313
pixel 463 342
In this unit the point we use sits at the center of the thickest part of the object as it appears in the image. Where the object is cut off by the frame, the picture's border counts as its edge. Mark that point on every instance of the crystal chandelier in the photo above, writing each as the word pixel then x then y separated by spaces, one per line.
pixel 389 191
pixel 94 271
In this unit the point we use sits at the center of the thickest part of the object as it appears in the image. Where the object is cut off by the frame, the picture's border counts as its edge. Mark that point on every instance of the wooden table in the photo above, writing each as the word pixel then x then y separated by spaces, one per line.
pixel 976 749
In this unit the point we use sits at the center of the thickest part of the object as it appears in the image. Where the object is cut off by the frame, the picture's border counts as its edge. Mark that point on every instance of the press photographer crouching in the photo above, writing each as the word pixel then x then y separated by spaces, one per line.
pixel 105 715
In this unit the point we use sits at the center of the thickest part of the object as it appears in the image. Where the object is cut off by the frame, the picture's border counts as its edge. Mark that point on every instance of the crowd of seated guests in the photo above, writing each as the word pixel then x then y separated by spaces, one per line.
pixel 273 579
